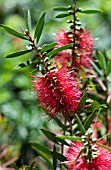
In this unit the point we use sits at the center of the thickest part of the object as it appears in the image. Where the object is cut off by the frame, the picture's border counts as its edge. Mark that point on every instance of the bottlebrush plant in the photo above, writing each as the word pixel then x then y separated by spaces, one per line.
pixel 72 86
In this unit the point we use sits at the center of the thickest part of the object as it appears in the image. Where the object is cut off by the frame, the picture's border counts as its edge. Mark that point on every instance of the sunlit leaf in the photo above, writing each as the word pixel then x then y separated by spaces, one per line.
pixel 39 27
pixel 75 138
pixel 47 47
pixel 13 32
pixel 104 146
pixel 56 51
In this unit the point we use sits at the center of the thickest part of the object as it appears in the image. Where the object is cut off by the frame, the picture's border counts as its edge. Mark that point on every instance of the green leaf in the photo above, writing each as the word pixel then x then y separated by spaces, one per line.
pixel 56 51
pixel 42 148
pixel 47 47
pixel 18 53
pixel 13 32
pixel 54 158
pixel 29 21
pixel 101 60
pixel 96 68
pixel 82 102
pixel 61 8
pixel 63 15
pixel 24 64
pixel 60 123
pixel 75 138
pixel 39 27
pixel 60 157
pixel 103 146
pixel 51 136
pixel 103 137
pixel 109 67
pixel 81 127
pixel 90 11
pixel 90 119
pixel 44 157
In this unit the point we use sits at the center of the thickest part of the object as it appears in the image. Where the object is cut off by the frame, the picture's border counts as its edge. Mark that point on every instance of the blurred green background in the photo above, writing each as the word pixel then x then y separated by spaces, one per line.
pixel 20 117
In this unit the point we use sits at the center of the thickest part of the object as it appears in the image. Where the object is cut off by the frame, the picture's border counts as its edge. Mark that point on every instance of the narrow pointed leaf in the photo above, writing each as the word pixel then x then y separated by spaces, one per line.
pixel 60 123
pixel 29 21
pixel 90 119
pixel 18 53
pixel 51 136
pixel 42 148
pixel 13 32
pixel 61 8
pixel 39 27
pixel 90 11
pixel 101 61
pixel 44 158
pixel 75 138
pixel 24 64
pixel 103 146
pixel 96 68
pixel 56 51
pixel 54 158
pixel 47 47
pixel 60 157
pixel 103 137
pixel 63 15
pixel 82 102
pixel 81 127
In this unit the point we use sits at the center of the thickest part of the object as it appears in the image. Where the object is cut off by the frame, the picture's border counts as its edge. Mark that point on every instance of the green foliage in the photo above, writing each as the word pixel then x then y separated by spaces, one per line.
pixel 39 27
pixel 13 32
pixel 17 54
pixel 91 11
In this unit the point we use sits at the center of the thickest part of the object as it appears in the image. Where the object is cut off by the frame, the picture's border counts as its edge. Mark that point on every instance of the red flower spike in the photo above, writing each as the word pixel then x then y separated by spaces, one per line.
pixel 57 91
pixel 101 162
pixel 62 38
pixel 85 49
pixel 63 58
pixel 47 95
pixel 70 91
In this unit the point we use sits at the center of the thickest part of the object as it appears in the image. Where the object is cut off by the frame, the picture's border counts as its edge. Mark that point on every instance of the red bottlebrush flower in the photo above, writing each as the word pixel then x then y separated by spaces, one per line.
pixel 47 95
pixel 62 38
pixel 69 90
pixel 63 58
pixel 85 49
pixel 86 42
pixel 101 162
pixel 57 91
